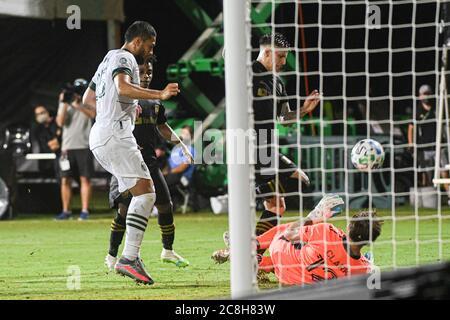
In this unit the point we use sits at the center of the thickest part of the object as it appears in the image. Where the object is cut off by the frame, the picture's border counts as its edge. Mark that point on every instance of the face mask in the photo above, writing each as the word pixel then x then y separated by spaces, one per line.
pixel 42 118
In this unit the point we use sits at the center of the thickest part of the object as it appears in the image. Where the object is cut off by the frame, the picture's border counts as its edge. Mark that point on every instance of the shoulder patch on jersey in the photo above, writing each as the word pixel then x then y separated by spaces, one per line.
pixel 123 61
pixel 262 92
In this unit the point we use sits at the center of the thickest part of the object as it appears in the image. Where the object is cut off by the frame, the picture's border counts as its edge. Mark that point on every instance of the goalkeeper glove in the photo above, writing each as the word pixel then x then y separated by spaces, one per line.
pixel 330 206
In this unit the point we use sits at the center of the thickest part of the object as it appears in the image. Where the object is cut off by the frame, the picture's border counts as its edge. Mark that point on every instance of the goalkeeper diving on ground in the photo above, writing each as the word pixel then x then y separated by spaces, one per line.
pixel 312 250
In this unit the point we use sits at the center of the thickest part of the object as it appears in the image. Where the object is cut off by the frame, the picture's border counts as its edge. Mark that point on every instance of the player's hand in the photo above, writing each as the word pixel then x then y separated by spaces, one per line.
pixel 169 91
pixel 138 111
pixel 311 102
pixel 330 206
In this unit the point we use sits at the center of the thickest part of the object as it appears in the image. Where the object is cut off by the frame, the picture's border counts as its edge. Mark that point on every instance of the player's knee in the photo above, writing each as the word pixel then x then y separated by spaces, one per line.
pixel 142 186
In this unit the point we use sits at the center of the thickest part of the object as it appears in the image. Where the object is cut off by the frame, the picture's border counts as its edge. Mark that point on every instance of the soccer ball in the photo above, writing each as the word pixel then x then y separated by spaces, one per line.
pixel 367 154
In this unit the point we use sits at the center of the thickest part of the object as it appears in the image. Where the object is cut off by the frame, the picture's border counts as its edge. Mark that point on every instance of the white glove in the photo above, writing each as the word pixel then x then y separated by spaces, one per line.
pixel 329 206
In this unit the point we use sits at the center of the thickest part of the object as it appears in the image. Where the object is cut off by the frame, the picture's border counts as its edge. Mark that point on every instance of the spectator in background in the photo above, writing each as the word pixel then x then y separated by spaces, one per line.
pixel 180 171
pixel 48 135
pixel 76 158
pixel 425 137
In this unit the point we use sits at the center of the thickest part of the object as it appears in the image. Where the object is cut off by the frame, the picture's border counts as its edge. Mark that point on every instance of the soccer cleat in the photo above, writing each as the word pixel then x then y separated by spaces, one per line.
pixel 134 269
pixel 262 277
pixel 303 177
pixel 170 256
pixel 110 262
pixel 83 216
pixel 64 216
pixel 221 256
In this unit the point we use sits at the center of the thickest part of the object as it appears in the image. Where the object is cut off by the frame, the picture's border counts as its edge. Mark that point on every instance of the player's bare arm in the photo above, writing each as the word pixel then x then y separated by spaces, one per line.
pixel 311 102
pixel 85 108
pixel 88 103
pixel 329 206
pixel 125 88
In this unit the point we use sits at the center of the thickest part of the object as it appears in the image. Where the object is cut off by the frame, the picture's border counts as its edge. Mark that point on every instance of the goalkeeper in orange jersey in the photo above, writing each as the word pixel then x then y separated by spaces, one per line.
pixel 311 251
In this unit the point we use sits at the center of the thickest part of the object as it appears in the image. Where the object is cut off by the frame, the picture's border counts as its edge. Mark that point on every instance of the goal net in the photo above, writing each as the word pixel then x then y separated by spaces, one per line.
pixel 378 67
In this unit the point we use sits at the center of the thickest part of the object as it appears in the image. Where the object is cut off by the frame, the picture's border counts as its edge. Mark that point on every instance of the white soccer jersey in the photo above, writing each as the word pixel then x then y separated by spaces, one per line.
pixel 112 108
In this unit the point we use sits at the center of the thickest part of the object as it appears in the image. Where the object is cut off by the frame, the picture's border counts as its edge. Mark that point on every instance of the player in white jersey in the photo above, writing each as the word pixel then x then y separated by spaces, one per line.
pixel 115 91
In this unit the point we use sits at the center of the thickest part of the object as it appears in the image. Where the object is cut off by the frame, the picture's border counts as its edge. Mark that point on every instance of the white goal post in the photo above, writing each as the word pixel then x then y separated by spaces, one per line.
pixel 370 61
pixel 238 103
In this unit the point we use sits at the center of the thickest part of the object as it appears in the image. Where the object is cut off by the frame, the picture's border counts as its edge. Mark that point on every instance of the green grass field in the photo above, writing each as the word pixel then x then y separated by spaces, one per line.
pixel 37 252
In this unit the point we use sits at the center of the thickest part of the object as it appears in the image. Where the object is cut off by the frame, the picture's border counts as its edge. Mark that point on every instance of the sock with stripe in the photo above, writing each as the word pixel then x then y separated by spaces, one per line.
pixel 267 221
pixel 165 221
pixel 139 211
pixel 117 232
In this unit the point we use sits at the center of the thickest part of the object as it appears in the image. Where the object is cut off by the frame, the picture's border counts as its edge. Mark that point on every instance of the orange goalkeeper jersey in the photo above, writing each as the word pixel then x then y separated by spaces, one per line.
pixel 320 255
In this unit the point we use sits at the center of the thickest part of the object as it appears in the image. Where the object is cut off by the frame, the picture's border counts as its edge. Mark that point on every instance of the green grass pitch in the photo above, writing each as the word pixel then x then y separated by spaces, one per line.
pixel 37 252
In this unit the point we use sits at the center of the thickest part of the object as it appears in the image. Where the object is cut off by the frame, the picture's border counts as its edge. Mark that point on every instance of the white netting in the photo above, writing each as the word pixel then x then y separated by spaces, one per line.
pixel 368 59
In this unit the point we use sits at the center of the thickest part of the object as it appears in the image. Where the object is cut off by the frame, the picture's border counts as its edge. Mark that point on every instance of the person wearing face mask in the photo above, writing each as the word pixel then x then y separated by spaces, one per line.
pixel 48 135
pixel 424 133
pixel 76 159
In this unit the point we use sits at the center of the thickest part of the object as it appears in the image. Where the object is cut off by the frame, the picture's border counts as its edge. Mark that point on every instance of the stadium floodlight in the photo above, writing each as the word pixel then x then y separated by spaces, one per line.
pixel 4 198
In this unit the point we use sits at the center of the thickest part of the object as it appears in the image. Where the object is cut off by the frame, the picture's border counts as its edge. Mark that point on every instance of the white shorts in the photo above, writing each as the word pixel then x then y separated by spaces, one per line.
pixel 121 157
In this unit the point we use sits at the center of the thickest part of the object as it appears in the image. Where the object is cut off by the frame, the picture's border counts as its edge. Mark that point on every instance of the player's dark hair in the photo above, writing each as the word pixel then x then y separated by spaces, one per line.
pixel 365 227
pixel 141 29
pixel 277 39
pixel 152 59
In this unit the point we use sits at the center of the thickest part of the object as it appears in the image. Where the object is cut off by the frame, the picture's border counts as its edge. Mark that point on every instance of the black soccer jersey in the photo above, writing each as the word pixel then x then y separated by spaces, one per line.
pixel 146 132
pixel 269 103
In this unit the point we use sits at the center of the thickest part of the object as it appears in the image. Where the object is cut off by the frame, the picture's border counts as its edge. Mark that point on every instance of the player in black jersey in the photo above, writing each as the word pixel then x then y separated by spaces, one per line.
pixel 270 106
pixel 150 124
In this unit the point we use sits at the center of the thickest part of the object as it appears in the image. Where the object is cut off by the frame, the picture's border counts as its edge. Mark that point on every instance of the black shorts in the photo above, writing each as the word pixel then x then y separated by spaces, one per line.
pixel 267 183
pixel 81 163
pixel 286 168
pixel 161 190
pixel 426 158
